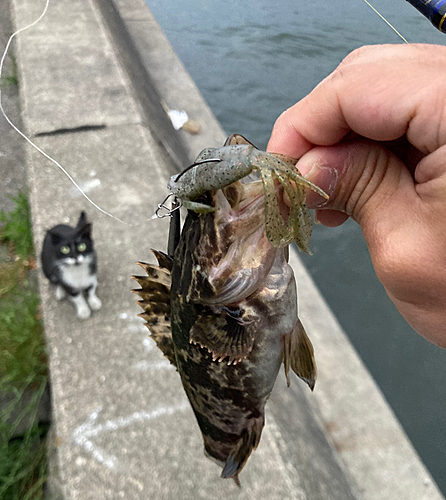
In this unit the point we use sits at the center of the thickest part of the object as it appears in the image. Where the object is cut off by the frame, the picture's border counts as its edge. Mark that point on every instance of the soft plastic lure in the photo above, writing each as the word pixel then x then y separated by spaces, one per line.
pixel 216 168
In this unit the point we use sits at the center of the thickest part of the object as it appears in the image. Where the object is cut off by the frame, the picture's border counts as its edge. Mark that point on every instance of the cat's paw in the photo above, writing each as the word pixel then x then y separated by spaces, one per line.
pixel 83 311
pixel 95 302
pixel 60 293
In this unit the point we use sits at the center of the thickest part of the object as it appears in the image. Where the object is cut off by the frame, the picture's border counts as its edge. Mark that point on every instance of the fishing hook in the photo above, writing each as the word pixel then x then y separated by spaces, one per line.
pixel 176 205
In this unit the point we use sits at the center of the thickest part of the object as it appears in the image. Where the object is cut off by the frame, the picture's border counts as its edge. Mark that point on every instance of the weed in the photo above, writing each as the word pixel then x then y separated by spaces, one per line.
pixel 23 462
pixel 17 227
pixel 11 79
pixel 22 351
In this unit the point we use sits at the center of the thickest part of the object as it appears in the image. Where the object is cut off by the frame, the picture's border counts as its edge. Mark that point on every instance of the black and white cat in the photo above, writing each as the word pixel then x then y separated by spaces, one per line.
pixel 69 262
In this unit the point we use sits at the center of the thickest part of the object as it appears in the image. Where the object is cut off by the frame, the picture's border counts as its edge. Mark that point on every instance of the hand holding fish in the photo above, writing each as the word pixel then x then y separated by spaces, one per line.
pixel 372 135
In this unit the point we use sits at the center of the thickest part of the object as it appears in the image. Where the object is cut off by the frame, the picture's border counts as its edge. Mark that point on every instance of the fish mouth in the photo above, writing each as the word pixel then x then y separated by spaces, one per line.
pixel 252 201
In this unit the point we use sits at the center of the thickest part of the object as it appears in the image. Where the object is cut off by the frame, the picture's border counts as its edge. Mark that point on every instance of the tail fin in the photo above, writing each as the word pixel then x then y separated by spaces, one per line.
pixel 248 442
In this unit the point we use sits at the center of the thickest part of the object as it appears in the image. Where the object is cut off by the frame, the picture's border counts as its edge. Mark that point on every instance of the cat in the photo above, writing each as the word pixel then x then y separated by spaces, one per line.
pixel 69 262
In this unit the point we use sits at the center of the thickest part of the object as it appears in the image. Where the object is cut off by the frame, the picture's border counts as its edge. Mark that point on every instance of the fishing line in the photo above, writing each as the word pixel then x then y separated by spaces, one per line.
pixel 385 20
pixel 29 140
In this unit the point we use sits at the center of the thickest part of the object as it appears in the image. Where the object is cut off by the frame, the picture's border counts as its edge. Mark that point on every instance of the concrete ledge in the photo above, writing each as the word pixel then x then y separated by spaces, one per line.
pixel 122 426
pixel 139 74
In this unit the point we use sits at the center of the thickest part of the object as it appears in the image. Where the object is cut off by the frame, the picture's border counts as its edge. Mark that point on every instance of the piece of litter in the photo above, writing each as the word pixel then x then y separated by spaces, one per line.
pixel 192 126
pixel 178 118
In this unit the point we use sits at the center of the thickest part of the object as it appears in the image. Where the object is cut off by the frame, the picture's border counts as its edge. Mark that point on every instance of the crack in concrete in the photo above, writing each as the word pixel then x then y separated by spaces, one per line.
pixel 73 130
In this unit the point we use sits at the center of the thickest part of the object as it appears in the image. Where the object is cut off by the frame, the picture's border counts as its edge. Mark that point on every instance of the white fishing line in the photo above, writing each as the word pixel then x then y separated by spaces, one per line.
pixel 29 140
pixel 385 20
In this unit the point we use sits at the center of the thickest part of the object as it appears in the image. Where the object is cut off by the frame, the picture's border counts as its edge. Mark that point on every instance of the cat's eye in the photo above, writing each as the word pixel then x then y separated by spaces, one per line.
pixel 82 247
pixel 65 249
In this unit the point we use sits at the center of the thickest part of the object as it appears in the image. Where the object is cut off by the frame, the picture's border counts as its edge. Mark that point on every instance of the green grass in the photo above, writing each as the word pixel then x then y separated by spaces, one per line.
pixel 23 462
pixel 10 79
pixel 17 227
pixel 22 351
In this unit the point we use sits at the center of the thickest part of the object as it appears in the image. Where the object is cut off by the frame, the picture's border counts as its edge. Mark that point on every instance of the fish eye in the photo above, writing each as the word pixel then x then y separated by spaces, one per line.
pixel 65 249
pixel 82 247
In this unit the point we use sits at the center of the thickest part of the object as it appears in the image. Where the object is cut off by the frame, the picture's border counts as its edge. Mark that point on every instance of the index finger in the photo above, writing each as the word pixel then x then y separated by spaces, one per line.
pixel 315 120
pixel 376 92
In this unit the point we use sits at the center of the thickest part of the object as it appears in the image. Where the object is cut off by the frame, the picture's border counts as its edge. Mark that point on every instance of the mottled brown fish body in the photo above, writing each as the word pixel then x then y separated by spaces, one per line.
pixel 228 399
pixel 224 312
pixel 228 385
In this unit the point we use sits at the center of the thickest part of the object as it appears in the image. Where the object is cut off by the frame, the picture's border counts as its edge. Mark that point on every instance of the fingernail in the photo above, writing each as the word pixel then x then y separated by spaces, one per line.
pixel 324 177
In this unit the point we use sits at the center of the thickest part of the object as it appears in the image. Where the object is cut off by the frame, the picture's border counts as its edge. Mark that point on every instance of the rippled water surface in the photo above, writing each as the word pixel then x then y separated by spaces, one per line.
pixel 253 59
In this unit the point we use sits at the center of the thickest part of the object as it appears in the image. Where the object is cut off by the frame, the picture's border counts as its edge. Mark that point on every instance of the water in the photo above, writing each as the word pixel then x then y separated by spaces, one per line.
pixel 251 60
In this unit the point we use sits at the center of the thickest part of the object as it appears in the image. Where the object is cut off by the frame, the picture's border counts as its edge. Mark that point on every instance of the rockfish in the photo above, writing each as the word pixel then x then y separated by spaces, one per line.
pixel 223 309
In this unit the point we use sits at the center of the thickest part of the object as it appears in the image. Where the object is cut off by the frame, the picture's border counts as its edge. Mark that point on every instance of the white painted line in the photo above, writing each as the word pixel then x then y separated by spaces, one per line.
pixel 83 434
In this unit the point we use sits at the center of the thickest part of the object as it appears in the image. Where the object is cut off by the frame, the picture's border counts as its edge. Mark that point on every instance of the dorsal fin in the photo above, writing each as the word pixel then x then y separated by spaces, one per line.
pixel 164 260
pixel 235 139
pixel 155 295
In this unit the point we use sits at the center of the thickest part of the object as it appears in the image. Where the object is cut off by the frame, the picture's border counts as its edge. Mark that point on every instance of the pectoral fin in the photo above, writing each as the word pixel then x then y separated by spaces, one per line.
pixel 227 336
pixel 155 295
pixel 298 354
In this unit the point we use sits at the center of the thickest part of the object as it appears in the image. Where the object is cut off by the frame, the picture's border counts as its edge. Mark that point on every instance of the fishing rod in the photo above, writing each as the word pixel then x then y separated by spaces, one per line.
pixel 434 10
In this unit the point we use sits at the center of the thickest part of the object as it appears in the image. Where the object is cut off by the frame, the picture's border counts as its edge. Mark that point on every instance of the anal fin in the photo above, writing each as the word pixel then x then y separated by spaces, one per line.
pixel 298 354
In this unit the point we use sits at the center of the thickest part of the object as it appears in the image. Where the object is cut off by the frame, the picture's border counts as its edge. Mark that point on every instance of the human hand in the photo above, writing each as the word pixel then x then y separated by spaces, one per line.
pixel 372 135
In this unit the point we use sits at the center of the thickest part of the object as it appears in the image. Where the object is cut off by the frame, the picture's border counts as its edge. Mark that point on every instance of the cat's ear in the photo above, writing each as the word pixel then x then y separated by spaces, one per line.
pixel 55 238
pixel 83 226
pixel 82 220
pixel 85 231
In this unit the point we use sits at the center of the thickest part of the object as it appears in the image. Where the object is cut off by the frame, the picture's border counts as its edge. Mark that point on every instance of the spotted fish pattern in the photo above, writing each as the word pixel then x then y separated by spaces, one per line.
pixel 223 309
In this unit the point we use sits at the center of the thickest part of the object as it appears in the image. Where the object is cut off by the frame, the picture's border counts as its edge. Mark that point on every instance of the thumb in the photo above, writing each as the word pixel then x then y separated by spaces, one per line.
pixel 364 181
pixel 402 222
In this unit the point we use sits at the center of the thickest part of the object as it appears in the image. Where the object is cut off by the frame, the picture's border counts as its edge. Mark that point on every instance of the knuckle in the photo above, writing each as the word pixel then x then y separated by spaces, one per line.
pixel 401 264
pixel 356 54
